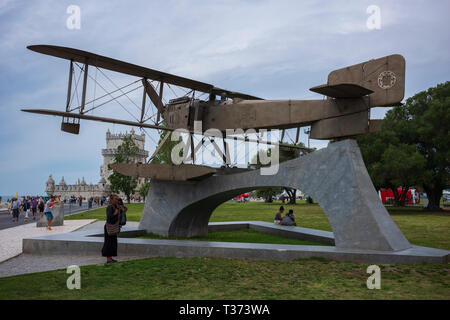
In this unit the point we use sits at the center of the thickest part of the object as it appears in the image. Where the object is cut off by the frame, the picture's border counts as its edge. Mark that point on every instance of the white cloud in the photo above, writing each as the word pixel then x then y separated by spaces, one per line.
pixel 274 49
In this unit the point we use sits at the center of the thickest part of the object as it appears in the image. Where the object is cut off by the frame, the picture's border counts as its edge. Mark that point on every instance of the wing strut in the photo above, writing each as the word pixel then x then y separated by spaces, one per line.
pixel 69 88
pixel 154 97
pixel 83 95
pixel 144 95
pixel 161 87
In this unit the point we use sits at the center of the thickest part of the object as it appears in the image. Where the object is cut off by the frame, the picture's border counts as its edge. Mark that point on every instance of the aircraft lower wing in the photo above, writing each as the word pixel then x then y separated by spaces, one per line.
pixel 169 172
pixel 71 115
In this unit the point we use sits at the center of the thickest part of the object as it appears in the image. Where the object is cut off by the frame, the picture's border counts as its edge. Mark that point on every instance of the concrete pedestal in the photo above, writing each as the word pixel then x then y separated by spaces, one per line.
pixel 335 177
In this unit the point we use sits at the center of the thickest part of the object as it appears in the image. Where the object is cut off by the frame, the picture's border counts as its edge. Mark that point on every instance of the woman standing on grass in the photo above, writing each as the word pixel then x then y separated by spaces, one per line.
pixel 111 229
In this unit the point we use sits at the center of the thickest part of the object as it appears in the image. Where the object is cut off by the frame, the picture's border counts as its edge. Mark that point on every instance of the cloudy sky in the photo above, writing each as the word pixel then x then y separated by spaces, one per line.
pixel 272 49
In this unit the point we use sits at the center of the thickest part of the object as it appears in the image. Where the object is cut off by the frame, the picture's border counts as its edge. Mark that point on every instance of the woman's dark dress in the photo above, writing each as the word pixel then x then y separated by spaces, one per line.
pixel 110 245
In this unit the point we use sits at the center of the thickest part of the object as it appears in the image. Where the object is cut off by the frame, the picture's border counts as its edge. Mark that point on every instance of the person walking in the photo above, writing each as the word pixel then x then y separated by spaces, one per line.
pixel 41 207
pixel 34 205
pixel 26 207
pixel 10 206
pixel 15 209
pixel 111 229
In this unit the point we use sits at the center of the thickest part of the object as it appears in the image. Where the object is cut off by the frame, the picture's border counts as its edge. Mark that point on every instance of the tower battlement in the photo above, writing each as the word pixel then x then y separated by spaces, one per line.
pixel 120 136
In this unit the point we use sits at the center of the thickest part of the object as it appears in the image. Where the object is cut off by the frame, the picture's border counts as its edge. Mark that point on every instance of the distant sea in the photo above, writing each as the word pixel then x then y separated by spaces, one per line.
pixel 5 198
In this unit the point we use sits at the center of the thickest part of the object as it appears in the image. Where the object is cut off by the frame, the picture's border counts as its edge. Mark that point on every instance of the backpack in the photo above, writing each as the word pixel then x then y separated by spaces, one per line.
pixel 122 218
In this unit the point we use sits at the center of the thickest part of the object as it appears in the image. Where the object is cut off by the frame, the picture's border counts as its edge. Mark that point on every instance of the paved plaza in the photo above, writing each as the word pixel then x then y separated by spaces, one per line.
pixel 11 238
pixel 14 262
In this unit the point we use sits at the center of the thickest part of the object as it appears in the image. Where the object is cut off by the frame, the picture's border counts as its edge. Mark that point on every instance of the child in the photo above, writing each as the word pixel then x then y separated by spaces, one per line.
pixel 278 217
pixel 47 211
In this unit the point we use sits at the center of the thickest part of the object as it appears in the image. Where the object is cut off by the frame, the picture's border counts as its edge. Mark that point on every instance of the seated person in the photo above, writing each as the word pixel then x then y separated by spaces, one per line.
pixel 289 219
pixel 278 217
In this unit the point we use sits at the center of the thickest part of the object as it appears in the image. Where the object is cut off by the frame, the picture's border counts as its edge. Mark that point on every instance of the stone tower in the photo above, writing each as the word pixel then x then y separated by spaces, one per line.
pixel 102 188
pixel 115 140
pixel 50 186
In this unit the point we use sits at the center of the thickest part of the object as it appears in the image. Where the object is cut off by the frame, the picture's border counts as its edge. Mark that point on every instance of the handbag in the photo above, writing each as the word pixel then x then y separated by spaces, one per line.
pixel 113 229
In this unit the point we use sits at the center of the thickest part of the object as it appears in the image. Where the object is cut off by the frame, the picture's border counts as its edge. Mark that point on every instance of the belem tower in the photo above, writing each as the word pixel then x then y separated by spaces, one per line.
pixel 81 188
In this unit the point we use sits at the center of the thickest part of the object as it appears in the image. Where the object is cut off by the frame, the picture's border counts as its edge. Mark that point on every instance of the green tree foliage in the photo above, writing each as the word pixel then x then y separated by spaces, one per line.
pixel 164 154
pixel 143 190
pixel 391 164
pixel 413 148
pixel 125 153
pixel 268 193
pixel 285 154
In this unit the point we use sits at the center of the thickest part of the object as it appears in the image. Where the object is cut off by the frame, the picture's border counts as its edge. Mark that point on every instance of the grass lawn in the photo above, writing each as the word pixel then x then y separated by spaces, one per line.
pixel 217 278
pixel 246 235
pixel 133 214
pixel 419 227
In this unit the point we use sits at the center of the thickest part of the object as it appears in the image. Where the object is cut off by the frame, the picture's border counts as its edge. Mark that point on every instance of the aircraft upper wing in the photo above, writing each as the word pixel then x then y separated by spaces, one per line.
pixel 131 69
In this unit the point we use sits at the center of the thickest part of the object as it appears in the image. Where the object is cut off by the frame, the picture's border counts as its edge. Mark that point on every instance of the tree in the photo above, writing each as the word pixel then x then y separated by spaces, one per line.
pixel 391 164
pixel 268 193
pixel 164 154
pixel 413 147
pixel 143 190
pixel 285 154
pixel 125 153
pixel 424 121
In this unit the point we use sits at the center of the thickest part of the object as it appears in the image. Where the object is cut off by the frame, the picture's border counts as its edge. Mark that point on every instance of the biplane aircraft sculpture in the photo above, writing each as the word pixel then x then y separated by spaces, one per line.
pixel 351 92
pixel 182 197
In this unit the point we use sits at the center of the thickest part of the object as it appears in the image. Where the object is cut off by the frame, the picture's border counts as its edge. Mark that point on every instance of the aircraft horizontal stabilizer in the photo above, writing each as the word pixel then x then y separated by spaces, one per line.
pixel 342 90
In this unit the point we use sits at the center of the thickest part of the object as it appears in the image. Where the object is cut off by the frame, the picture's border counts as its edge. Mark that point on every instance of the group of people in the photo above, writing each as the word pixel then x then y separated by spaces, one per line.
pixel 30 205
pixel 287 220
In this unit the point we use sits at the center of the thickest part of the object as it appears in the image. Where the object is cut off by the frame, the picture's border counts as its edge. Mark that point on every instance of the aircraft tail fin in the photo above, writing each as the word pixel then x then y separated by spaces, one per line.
pixel 382 79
